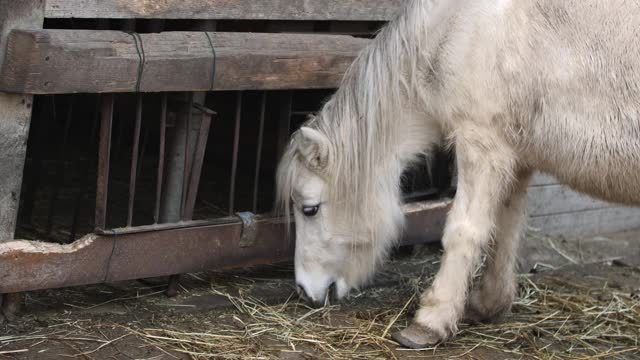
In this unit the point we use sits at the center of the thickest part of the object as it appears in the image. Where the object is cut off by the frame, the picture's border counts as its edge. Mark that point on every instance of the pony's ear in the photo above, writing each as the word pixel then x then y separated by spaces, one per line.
pixel 313 147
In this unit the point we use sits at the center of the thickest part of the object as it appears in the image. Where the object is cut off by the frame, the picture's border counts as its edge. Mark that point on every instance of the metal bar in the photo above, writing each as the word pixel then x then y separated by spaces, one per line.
pixel 187 158
pixel 163 136
pixel 143 149
pixel 256 179
pixel 98 259
pixel 170 226
pixel 59 176
pixel 284 122
pixel 234 160
pixel 134 159
pixel 76 214
pixel 83 193
pixel 198 160
pixel 118 133
pixel 171 200
pixel 104 152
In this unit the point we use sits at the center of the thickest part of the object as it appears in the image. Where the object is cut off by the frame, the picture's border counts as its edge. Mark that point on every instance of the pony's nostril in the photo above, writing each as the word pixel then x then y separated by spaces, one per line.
pixel 303 294
pixel 332 294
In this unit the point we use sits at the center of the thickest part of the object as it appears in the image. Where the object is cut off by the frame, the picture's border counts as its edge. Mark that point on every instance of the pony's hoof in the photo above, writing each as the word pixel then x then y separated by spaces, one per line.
pixel 417 337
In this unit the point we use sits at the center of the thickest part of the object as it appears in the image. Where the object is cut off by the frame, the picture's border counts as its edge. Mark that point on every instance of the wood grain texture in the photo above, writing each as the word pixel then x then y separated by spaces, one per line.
pixel 356 10
pixel 588 222
pixel 15 115
pixel 33 265
pixel 556 209
pixel 73 61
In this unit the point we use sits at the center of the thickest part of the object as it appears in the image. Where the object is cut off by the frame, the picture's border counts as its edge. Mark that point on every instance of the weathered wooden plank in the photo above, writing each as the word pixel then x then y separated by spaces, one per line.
pixel 588 222
pixel 30 265
pixel 557 199
pixel 72 61
pixel 355 10
pixel 15 115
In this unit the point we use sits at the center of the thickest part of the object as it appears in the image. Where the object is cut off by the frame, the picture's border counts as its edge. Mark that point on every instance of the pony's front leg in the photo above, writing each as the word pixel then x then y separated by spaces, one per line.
pixel 494 293
pixel 486 167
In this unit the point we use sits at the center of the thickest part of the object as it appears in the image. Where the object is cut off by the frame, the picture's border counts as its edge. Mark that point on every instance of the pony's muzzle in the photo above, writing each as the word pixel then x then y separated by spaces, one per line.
pixel 330 296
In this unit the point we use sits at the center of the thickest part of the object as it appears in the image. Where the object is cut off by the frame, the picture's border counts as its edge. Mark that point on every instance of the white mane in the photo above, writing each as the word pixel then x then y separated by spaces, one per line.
pixel 360 121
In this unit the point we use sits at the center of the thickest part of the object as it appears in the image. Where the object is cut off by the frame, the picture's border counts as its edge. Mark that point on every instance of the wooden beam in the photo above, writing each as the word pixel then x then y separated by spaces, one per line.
pixel 33 265
pixel 15 115
pixel 73 61
pixel 354 10
pixel 597 221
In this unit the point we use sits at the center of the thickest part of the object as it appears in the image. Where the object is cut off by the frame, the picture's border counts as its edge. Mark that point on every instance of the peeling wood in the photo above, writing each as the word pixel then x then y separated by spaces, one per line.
pixel 12 247
pixel 31 265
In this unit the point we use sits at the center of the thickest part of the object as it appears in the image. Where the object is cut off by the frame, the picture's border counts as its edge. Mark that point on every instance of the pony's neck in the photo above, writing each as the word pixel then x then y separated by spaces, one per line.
pixel 377 121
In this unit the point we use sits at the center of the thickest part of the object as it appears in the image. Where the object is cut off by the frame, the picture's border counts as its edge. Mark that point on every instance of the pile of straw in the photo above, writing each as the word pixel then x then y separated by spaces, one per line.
pixel 552 319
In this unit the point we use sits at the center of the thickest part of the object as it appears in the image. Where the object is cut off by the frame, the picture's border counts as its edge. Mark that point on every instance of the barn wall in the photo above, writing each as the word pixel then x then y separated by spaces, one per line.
pixel 556 209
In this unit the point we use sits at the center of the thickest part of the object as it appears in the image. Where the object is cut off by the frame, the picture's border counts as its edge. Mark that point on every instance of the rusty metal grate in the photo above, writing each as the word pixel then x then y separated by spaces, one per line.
pixel 179 196
pixel 126 152
pixel 191 162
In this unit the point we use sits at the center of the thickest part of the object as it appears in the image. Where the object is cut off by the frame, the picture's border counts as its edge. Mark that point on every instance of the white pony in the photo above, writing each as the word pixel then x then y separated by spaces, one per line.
pixel 515 86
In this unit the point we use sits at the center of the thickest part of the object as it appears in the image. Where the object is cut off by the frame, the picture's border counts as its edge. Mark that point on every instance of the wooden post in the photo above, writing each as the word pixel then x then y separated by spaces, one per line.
pixel 173 193
pixel 15 118
pixel 172 198
pixel 15 115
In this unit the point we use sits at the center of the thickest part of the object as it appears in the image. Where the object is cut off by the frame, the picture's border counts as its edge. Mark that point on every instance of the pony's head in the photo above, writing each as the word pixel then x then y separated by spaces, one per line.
pixel 340 175
pixel 341 236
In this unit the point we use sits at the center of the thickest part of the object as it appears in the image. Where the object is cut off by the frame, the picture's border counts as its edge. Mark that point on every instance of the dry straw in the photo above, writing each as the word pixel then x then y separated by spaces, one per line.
pixel 552 319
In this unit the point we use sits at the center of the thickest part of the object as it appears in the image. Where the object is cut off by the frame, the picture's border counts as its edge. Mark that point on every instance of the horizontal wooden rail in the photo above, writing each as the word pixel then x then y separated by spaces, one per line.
pixel 88 61
pixel 32 265
pixel 353 10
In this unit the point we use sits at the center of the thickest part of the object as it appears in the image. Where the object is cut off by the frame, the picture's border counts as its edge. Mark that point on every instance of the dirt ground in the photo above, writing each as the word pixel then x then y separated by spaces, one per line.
pixel 579 299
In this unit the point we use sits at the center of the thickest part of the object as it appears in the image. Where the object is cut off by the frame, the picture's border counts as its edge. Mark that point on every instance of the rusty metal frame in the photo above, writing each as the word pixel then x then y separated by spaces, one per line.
pixel 192 162
pixel 32 265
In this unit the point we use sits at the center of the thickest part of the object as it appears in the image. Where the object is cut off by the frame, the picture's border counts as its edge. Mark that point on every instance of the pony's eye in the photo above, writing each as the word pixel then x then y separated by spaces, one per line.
pixel 310 210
